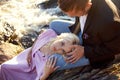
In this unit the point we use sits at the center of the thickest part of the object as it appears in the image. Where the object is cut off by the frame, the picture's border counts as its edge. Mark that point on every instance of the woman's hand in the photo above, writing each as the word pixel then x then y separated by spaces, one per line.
pixel 75 55
pixel 49 67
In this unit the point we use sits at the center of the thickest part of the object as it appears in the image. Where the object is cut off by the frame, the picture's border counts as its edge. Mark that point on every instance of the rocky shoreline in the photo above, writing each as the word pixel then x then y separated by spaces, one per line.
pixel 11 44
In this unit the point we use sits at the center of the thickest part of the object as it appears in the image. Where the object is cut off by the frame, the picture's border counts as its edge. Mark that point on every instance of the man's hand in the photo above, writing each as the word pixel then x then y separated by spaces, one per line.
pixel 75 55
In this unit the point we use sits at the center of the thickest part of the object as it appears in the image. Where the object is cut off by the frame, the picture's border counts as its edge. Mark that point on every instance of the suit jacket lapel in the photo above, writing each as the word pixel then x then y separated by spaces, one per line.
pixel 89 16
pixel 75 28
pixel 88 20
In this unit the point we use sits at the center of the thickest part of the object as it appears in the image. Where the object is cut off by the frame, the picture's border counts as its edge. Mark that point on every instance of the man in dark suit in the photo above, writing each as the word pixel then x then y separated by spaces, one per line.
pixel 99 29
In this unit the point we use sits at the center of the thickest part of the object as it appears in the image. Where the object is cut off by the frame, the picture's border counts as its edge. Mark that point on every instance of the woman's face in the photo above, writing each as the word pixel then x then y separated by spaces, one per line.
pixel 61 46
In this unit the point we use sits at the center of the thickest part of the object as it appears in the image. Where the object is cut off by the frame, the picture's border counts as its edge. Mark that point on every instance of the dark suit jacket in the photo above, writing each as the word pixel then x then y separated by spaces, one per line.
pixel 101 35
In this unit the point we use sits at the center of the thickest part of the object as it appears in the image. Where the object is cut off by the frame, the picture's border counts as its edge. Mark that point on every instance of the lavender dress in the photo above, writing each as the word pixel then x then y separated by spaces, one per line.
pixel 18 69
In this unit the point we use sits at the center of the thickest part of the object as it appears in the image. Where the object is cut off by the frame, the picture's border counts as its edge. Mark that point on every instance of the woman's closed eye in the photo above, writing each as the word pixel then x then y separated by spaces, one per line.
pixel 63 51
pixel 62 43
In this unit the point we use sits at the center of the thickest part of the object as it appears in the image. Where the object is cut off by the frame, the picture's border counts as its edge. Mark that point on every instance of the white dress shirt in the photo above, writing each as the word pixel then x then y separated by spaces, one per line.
pixel 82 22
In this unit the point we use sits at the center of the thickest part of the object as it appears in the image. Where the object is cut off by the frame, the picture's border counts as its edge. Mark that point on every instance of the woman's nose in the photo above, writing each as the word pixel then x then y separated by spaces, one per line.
pixel 66 49
pixel 58 48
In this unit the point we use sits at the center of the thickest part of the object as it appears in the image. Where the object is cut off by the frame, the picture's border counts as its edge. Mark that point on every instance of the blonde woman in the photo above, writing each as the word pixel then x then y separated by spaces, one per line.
pixel 40 63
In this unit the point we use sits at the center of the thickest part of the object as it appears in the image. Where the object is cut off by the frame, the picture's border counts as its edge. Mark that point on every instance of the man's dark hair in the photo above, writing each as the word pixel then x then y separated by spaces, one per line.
pixel 69 5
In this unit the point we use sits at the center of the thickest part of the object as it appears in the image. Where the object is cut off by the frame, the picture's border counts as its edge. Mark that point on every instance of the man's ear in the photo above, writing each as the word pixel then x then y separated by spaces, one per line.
pixel 88 6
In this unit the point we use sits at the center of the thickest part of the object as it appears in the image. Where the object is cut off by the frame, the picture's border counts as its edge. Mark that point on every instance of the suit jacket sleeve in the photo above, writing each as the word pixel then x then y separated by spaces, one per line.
pixel 101 54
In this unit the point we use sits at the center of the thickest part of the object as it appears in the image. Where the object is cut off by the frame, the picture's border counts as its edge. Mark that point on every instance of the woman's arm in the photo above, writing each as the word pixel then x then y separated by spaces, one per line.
pixel 29 57
pixel 49 68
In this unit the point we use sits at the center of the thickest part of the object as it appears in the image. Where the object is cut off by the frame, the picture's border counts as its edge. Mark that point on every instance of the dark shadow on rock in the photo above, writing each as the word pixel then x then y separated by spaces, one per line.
pixel 70 74
pixel 87 73
pixel 3 58
pixel 28 39
pixel 48 4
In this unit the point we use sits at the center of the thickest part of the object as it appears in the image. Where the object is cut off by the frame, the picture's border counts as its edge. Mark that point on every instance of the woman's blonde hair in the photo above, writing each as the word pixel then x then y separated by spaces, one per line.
pixel 70 37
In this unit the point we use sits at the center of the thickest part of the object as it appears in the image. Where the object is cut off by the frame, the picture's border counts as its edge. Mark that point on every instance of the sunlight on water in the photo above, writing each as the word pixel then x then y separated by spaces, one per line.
pixel 23 14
